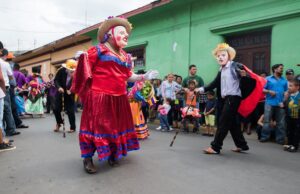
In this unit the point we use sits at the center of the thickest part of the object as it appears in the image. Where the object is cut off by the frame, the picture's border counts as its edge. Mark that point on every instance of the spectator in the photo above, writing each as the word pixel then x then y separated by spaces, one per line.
pixel 168 90
pixel 209 113
pixel 191 103
pixel 12 87
pixel 199 83
pixel 10 128
pixel 260 124
pixel 275 90
pixel 289 74
pixel 178 103
pixel 4 145
pixel 293 117
pixel 163 115
pixel 51 92
pixel 19 76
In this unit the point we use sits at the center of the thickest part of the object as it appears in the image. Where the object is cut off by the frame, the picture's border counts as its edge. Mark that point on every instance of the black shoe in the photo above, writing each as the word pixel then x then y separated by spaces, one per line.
pixel 14 133
pixel 6 147
pixel 88 166
pixel 22 126
pixel 195 130
pixel 263 140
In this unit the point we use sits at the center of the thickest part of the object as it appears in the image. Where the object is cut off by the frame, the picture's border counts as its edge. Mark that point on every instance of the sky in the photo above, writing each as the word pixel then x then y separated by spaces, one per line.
pixel 28 24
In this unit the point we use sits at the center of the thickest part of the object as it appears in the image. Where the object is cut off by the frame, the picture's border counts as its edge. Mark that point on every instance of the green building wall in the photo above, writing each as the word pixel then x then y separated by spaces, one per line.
pixel 185 32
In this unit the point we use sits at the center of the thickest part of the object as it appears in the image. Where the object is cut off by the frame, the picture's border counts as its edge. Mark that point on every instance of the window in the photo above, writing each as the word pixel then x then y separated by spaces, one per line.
pixel 138 55
pixel 36 69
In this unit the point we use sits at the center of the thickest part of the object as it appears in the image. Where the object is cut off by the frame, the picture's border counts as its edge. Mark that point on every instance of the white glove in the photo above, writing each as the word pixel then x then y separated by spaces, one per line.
pixel 200 90
pixel 78 53
pixel 151 74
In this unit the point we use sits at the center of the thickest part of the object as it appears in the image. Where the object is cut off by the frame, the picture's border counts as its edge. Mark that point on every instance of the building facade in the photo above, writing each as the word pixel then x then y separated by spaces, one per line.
pixel 47 59
pixel 173 34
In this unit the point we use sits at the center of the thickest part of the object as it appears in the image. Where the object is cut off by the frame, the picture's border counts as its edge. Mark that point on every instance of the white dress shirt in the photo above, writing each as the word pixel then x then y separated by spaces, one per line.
pixel 229 86
pixel 6 71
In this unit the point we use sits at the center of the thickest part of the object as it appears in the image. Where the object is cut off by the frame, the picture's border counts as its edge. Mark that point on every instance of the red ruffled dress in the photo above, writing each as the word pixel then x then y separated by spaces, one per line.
pixel 106 122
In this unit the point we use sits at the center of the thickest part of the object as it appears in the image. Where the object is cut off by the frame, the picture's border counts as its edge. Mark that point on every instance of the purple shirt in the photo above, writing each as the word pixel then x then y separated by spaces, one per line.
pixel 20 78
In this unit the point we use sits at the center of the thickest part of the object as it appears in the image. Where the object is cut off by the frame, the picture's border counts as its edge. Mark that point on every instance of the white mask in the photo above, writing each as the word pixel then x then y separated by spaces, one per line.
pixel 120 36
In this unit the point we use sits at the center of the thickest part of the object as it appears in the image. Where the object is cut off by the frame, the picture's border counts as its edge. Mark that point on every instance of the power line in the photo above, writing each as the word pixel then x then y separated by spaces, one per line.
pixel 15 30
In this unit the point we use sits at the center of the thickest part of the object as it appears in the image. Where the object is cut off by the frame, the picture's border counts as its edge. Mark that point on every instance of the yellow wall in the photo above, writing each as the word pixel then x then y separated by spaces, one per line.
pixel 48 60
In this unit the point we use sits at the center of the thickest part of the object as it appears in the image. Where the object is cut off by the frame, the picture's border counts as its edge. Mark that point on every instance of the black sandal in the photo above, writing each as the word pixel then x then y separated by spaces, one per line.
pixel 88 166
pixel 112 161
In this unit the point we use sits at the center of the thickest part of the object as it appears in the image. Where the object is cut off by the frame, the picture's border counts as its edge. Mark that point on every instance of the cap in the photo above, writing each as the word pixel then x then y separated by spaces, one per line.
pixel 289 72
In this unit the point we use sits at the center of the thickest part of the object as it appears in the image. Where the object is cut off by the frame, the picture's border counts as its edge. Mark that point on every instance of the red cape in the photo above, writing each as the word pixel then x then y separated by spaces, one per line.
pixel 248 104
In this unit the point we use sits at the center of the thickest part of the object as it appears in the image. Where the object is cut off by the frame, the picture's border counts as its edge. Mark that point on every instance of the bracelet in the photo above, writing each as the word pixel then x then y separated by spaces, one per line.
pixel 142 77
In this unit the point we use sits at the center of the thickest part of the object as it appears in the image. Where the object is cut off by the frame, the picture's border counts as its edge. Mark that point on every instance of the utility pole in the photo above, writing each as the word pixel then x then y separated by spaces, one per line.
pixel 18 44
pixel 34 43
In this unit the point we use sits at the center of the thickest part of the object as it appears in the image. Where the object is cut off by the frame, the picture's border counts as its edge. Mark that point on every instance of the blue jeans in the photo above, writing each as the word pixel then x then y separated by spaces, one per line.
pixel 10 126
pixel 164 121
pixel 280 123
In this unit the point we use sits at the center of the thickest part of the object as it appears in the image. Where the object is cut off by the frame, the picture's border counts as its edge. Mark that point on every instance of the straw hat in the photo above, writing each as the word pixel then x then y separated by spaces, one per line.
pixel 10 55
pixel 112 22
pixel 70 64
pixel 225 47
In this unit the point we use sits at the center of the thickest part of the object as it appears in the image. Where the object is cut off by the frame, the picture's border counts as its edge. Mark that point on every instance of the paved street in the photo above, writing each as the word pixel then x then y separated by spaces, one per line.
pixel 45 162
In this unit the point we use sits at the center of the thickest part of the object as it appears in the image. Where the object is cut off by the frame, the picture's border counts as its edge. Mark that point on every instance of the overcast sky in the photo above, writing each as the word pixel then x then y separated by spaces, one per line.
pixel 27 24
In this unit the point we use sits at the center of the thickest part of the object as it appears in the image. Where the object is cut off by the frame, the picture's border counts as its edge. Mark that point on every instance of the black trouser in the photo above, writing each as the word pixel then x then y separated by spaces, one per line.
pixel 229 122
pixel 293 132
pixel 50 103
pixel 69 107
pixel 202 108
pixel 14 111
pixel 171 113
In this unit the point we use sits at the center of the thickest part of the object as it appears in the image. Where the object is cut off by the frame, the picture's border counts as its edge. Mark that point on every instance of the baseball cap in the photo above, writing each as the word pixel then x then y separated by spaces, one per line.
pixel 289 72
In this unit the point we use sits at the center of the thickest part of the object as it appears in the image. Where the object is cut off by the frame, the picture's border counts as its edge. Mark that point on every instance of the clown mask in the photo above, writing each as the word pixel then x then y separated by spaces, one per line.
pixel 119 35
pixel 222 57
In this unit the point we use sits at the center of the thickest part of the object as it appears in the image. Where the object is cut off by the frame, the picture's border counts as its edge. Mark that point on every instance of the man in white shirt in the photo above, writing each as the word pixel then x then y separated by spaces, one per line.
pixel 8 117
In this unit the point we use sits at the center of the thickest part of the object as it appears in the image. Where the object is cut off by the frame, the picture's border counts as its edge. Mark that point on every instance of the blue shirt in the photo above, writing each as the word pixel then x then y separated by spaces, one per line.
pixel 279 86
pixel 210 104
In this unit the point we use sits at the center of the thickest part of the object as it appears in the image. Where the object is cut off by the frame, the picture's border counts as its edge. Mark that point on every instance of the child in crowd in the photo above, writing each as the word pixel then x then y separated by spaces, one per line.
pixel 293 117
pixel 163 115
pixel 260 124
pixel 209 113
pixel 190 102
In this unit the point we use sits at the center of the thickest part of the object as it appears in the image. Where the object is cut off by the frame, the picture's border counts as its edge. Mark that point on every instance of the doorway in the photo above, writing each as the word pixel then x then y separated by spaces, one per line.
pixel 253 49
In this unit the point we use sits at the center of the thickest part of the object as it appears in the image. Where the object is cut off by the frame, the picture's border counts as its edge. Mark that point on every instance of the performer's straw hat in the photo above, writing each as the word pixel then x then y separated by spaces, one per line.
pixel 112 22
pixel 225 47
pixel 70 64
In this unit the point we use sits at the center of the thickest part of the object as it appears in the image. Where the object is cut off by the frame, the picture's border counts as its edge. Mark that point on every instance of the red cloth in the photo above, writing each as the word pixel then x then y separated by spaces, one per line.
pixel 106 122
pixel 82 76
pixel 108 77
pixel 107 126
pixel 248 104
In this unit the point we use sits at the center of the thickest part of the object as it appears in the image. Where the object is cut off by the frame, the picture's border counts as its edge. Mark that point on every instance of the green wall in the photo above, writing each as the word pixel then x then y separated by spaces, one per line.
pixel 185 32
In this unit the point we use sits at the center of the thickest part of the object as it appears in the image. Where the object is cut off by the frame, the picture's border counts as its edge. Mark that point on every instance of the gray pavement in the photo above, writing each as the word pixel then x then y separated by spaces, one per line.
pixel 44 162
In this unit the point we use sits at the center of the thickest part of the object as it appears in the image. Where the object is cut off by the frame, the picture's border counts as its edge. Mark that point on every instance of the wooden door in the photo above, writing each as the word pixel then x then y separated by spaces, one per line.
pixel 253 50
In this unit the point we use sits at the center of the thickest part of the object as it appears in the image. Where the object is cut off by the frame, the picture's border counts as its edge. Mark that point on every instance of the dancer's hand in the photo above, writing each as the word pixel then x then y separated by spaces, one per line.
pixel 243 73
pixel 200 90
pixel 151 74
pixel 68 92
pixel 61 90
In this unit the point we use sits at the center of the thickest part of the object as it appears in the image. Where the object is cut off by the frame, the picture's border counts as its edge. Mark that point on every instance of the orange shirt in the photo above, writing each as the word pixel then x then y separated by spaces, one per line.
pixel 190 98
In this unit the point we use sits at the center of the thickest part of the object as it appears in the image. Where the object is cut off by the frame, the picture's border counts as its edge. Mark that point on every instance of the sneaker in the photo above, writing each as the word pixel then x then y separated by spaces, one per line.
pixel 158 128
pixel 6 147
pixel 13 133
pixel 171 129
